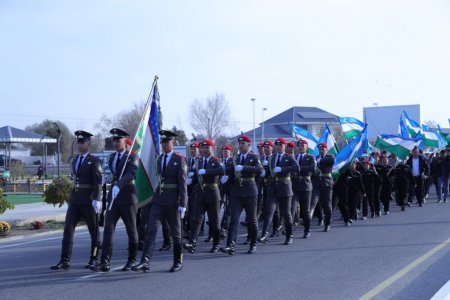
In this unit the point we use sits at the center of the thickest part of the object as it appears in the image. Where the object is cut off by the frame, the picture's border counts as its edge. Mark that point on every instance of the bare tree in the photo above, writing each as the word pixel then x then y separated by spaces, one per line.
pixel 210 117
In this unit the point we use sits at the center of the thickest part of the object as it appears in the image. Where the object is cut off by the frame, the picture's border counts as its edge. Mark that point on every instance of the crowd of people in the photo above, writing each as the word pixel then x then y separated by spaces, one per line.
pixel 280 186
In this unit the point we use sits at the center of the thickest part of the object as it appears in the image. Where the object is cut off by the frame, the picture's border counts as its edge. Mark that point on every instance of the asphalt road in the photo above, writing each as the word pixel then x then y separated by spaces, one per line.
pixel 345 263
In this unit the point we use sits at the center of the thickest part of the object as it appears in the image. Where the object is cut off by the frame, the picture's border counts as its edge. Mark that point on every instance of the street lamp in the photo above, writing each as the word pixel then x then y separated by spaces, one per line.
pixel 254 129
pixel 262 124
pixel 59 147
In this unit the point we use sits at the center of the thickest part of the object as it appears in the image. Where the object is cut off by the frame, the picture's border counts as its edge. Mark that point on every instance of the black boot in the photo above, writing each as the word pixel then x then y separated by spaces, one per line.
pixel 288 240
pixel 62 264
pixel 252 249
pixel 91 263
pixel 103 266
pixel 165 246
pixel 143 266
pixel 190 247
pixel 132 252
pixel 215 248
pixel 177 258
pixel 229 249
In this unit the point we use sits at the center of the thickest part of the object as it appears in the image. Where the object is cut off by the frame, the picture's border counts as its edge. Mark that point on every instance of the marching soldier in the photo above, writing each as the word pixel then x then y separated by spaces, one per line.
pixel 225 192
pixel 386 174
pixel 260 181
pixel 207 196
pixel 370 181
pixel 403 177
pixel 122 201
pixel 188 219
pixel 84 201
pixel 268 149
pixel 323 184
pixel 302 184
pixel 241 172
pixel 169 202
pixel 279 190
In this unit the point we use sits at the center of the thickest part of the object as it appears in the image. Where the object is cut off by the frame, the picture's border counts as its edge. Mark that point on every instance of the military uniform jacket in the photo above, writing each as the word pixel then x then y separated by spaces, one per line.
pixel 355 183
pixel 322 176
pixel 207 185
pixel 87 181
pixel 243 183
pixel 300 180
pixel 280 184
pixel 127 194
pixel 225 188
pixel 403 175
pixel 370 181
pixel 173 189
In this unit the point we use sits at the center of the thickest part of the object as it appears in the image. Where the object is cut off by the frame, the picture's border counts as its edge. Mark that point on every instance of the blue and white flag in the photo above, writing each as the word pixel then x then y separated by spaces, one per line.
pixel 402 129
pixel 328 138
pixel 413 126
pixel 353 150
pixel 431 138
pixel 351 127
pixel 301 133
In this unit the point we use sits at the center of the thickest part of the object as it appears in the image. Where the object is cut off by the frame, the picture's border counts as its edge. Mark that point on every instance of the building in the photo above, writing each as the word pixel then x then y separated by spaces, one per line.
pixel 386 119
pixel 312 119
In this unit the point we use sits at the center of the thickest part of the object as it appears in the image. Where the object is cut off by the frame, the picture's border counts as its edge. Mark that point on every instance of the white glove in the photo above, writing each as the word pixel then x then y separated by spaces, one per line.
pixel 181 211
pixel 201 172
pixel 277 170
pixel 189 181
pixel 96 206
pixel 224 179
pixel 115 191
pixel 263 173
pixel 265 163
pixel 190 174
pixel 238 168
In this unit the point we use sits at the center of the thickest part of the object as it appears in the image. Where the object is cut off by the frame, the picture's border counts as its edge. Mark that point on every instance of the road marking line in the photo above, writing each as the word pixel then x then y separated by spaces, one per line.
pixel 99 273
pixel 379 288
pixel 443 293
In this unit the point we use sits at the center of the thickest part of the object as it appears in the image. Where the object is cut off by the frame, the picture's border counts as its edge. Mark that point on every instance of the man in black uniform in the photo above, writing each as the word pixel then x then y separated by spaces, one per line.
pixel 207 196
pixel 225 192
pixel 241 172
pixel 84 201
pixel 385 181
pixel 279 190
pixel 323 184
pixel 188 219
pixel 302 184
pixel 121 202
pixel 169 202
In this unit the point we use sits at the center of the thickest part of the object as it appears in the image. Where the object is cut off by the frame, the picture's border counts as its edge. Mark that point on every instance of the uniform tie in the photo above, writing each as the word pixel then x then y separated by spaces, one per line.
pixel 80 161
pixel 278 160
pixel 164 163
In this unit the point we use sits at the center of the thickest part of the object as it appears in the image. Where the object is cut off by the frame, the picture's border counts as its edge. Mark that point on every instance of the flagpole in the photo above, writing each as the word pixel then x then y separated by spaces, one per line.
pixel 149 100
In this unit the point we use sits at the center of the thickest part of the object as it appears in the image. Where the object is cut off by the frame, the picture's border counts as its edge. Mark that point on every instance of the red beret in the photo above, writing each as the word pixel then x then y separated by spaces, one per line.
pixel 290 144
pixel 268 143
pixel 260 145
pixel 322 145
pixel 244 138
pixel 207 143
pixel 193 145
pixel 227 147
pixel 302 142
pixel 280 140
pixel 375 154
pixel 129 142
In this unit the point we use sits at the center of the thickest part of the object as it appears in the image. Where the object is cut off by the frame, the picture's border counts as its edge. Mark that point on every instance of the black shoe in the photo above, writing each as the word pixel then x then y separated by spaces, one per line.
pixel 275 233
pixel 350 221
pixel 320 223
pixel 409 204
pixel 288 240
pixel 403 208
pixel 177 266
pixel 420 204
pixel 228 250
pixel 130 263
pixel 209 239
pixel 215 248
pixel 65 265
pixel 306 235
pixel 327 228
pixel 263 239
pixel 190 247
pixel 165 247
pixel 143 266
pixel 247 241
pixel 102 267
pixel 347 224
pixel 252 249
pixel 92 263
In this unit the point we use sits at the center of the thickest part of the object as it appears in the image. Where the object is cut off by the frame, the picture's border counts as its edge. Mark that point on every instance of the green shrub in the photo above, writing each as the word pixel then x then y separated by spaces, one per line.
pixel 58 192
pixel 4 205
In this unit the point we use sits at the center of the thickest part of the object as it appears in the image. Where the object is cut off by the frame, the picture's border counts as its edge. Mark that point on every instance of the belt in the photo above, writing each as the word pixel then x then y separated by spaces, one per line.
pixel 210 185
pixel 84 186
pixel 326 175
pixel 129 183
pixel 169 186
pixel 249 179
pixel 281 179
pixel 305 177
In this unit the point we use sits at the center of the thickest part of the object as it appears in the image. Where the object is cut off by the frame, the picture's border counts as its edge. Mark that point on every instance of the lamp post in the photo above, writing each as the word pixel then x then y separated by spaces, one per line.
pixel 59 148
pixel 254 129
pixel 262 124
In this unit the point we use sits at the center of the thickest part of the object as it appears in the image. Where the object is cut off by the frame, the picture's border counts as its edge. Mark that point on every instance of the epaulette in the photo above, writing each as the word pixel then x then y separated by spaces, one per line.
pixel 216 158
pixel 179 154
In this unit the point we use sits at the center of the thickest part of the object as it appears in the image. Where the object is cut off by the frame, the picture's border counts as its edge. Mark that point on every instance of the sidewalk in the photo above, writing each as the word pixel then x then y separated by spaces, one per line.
pixel 27 213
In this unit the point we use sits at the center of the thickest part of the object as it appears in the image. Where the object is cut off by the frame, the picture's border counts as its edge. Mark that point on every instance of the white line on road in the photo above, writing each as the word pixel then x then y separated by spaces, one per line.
pixel 98 273
pixel 443 293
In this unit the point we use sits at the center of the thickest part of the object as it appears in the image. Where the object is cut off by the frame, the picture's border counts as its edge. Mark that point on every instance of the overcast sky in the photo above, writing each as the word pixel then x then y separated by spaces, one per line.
pixel 75 60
